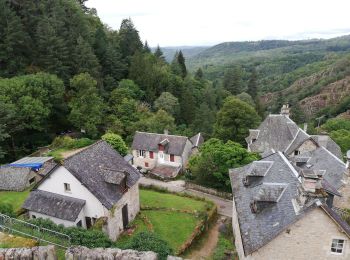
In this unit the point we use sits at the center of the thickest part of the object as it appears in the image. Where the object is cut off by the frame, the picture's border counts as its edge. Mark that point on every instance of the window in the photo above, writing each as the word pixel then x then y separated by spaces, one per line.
pixel 151 155
pixel 79 224
pixel 172 158
pixel 32 180
pixel 142 153
pixel 337 246
pixel 67 187
pixel 146 164
pixel 160 147
pixel 296 152
pixel 33 217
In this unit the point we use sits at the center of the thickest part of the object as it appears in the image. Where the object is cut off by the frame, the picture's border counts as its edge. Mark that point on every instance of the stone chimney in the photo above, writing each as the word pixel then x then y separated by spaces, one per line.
pixel 305 127
pixel 166 131
pixel 285 110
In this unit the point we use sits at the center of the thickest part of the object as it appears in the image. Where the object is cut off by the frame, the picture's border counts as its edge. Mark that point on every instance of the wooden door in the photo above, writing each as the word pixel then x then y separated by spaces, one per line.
pixel 125 216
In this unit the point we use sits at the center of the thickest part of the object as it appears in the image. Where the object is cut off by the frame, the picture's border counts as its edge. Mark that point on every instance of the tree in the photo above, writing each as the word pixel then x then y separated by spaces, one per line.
pixel 199 74
pixel 161 121
pixel 234 120
pixel 210 167
pixel 245 97
pixel 204 120
pixel 146 48
pixel 336 124
pixel 188 107
pixel 147 241
pixel 342 138
pixel 129 37
pixel 181 62
pixel 159 54
pixel 86 105
pixel 233 80
pixel 117 142
pixel 168 103
pixel 253 84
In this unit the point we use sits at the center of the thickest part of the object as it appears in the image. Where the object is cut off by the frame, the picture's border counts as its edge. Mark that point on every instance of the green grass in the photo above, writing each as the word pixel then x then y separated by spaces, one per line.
pixel 16 199
pixel 173 227
pixel 57 153
pixel 224 245
pixel 167 200
pixel 9 241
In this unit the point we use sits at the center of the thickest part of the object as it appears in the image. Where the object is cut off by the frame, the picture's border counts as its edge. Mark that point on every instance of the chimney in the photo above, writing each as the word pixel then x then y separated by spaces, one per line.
pixel 305 127
pixel 166 131
pixel 285 110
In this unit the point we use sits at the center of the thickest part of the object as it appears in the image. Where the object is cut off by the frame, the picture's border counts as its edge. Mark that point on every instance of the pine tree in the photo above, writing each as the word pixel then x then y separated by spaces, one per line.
pixel 233 80
pixel 199 74
pixel 13 42
pixel 253 85
pixel 181 62
pixel 187 106
pixel 146 48
pixel 129 38
pixel 159 53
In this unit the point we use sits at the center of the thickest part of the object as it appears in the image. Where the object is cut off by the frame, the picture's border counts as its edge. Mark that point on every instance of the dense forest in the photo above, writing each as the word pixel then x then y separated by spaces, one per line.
pixel 63 70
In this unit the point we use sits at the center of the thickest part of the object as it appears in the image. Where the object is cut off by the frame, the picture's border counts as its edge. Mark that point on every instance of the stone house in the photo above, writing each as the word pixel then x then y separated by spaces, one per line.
pixel 163 155
pixel 95 184
pixel 23 173
pixel 281 212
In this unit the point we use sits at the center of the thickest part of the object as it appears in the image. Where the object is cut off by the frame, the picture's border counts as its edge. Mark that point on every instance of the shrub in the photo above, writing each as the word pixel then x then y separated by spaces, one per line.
pixel 70 143
pixel 117 142
pixel 7 209
pixel 223 246
pixel 147 241
pixel 79 236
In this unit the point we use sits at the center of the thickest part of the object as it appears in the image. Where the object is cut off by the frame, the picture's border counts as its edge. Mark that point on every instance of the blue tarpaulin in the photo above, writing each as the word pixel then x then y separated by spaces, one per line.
pixel 34 166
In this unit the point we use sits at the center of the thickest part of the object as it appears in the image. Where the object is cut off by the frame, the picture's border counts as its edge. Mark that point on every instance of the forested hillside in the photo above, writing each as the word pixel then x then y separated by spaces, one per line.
pixel 188 51
pixel 62 69
pixel 285 71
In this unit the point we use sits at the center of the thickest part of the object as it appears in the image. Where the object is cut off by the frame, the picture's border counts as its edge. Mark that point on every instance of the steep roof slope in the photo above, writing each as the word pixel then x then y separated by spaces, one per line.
pixel 150 141
pixel 14 178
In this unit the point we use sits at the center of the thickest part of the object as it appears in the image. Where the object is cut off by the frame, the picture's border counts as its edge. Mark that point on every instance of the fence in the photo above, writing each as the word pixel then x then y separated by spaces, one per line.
pixel 20 227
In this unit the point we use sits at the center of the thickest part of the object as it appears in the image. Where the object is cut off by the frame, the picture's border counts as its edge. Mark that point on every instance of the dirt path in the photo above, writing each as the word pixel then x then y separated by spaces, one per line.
pixel 208 246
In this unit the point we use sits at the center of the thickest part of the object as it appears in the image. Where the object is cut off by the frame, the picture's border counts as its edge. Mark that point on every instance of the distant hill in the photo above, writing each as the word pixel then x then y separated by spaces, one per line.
pixel 188 51
pixel 300 72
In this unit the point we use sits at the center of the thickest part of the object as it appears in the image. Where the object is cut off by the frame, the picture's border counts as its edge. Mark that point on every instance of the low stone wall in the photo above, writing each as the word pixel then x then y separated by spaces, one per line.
pixel 225 195
pixel 35 253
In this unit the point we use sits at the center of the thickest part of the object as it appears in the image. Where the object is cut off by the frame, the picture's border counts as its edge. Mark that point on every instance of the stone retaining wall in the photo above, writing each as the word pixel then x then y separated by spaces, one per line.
pixel 225 195
pixel 35 253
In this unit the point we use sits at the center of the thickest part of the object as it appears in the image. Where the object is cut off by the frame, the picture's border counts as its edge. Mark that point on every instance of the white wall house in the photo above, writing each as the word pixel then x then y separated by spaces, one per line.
pixel 163 154
pixel 94 184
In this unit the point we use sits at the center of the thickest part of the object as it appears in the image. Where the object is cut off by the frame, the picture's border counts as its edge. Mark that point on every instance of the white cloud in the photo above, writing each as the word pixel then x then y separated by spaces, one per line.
pixel 196 22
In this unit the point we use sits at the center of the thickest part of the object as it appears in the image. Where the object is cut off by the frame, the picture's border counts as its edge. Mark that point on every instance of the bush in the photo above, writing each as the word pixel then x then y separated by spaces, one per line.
pixel 7 209
pixel 223 246
pixel 79 236
pixel 117 142
pixel 147 241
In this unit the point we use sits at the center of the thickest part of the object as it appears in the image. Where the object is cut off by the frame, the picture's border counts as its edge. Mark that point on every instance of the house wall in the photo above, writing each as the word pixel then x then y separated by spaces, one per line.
pixel 308 238
pixel 307 146
pixel 114 225
pixel 344 200
pixel 58 221
pixel 140 161
pixel 55 184
pixel 186 153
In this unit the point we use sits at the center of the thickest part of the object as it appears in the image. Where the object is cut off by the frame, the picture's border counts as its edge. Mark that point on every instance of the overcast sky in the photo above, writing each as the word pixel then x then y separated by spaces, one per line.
pixel 203 22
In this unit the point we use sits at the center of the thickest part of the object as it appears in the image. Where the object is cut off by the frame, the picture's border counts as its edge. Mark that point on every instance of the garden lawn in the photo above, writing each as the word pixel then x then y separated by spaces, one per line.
pixel 152 198
pixel 9 241
pixel 172 226
pixel 16 199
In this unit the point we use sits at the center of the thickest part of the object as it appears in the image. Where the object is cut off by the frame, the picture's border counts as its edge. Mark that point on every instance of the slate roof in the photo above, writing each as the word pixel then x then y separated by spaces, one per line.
pixel 150 141
pixel 14 178
pixel 298 140
pixel 259 229
pixel 329 144
pixel 26 160
pixel 54 205
pixel 275 132
pixel 322 159
pixel 337 219
pixel 89 167
pixel 47 168
pixel 197 140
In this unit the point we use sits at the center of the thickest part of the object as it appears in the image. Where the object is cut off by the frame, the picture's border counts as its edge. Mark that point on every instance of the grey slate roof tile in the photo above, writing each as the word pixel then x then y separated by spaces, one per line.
pixel 150 141
pixel 14 178
pixel 54 205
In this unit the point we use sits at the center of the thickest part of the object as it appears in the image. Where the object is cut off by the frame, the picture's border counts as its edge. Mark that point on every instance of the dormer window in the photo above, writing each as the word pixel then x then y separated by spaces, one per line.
pixel 160 147
pixel 296 152
pixel 141 153
pixel 253 140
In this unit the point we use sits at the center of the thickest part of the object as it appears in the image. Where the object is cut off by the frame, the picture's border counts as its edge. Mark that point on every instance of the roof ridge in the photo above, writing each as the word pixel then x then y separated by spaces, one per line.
pixel 289 165
pixel 161 134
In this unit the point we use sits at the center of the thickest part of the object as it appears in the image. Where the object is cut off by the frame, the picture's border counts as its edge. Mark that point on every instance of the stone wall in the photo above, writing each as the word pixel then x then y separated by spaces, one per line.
pixel 35 253
pixel 114 226
pixel 214 192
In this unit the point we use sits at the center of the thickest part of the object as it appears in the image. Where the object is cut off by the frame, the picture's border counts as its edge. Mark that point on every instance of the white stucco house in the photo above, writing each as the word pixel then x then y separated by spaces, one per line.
pixel 95 184
pixel 163 155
